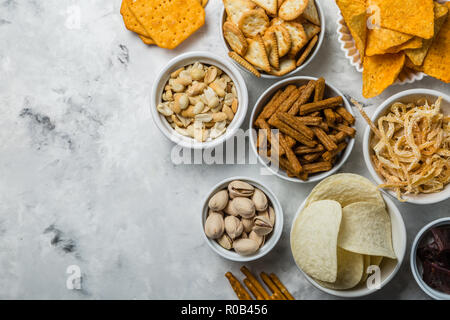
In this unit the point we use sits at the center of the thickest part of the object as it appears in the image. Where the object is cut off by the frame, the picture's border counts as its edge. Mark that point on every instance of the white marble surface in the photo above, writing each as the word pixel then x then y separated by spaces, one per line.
pixel 86 178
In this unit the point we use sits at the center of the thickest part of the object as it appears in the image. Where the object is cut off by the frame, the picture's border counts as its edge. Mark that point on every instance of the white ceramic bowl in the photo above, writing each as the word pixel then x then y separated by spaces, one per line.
pixel 270 242
pixel 416 264
pixel 185 60
pixel 352 54
pixel 388 267
pixel 307 61
pixel 330 91
pixel 406 96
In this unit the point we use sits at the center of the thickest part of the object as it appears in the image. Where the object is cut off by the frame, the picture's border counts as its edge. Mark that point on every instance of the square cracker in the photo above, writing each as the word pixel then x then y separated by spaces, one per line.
pixel 169 22
pixel 437 61
pixel 131 23
pixel 414 17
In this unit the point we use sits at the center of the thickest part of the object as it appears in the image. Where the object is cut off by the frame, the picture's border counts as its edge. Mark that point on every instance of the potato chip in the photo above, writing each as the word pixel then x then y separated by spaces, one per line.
pixel 346 188
pixel 437 61
pixel 354 13
pixel 415 17
pixel 169 22
pixel 131 23
pixel 235 38
pixel 349 273
pixel 366 229
pixel 381 39
pixel 380 72
pixel 375 260
pixel 311 14
pixel 417 56
pixel 283 38
pixel 269 5
pixel 314 240
pixel 367 261
pixel 298 37
pixel 236 8
pixel 286 65
pixel 257 55
pixel 253 22
pixel 292 9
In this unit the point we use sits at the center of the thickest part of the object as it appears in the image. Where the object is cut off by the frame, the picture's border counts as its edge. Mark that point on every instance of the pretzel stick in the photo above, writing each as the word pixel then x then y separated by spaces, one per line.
pixel 346 115
pixel 304 97
pixel 265 126
pixel 281 286
pixel 238 288
pixel 270 107
pixel 320 89
pixel 310 121
pixel 253 290
pixel 271 285
pixel 330 116
pixel 348 130
pixel 329 155
pixel 325 139
pixel 293 133
pixel 305 150
pixel 255 282
pixel 317 167
pixel 312 156
pixel 321 105
pixel 366 117
pixel 286 105
pixel 292 158
pixel 297 125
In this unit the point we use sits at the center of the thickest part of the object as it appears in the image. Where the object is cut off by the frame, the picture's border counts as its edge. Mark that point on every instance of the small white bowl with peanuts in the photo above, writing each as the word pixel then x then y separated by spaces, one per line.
pixel 199 100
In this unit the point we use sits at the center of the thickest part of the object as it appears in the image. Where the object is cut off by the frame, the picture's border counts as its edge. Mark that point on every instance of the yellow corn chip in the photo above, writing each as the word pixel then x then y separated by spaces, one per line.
pixel 131 23
pixel 380 72
pixel 409 64
pixel 381 39
pixel 354 13
pixel 418 55
pixel 414 17
pixel 169 22
pixel 413 43
pixel 437 61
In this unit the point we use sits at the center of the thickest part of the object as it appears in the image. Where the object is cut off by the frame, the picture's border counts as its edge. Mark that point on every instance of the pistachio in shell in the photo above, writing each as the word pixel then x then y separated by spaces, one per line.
pixel 225 241
pixel 245 247
pixel 243 207
pixel 239 188
pixel 260 200
pixel 229 210
pixel 219 201
pixel 233 226
pixel 259 239
pixel 248 224
pixel 262 226
pixel 271 213
pixel 214 226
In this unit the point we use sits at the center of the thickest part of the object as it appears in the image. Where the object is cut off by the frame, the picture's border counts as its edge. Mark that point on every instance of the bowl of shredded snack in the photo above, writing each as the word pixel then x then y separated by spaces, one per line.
pixel 407 146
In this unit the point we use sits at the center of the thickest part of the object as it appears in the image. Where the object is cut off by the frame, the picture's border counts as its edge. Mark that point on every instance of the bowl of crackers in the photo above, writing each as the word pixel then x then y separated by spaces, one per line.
pixel 199 100
pixel 395 42
pixel 270 38
pixel 303 129
pixel 406 146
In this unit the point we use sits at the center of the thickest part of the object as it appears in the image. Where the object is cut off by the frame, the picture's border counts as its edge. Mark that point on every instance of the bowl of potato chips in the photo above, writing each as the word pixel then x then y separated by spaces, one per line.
pixel 269 38
pixel 406 147
pixel 347 238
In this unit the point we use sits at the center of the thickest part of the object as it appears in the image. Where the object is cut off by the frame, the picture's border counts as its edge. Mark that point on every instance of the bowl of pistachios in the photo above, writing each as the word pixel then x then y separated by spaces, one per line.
pixel 242 220
pixel 199 100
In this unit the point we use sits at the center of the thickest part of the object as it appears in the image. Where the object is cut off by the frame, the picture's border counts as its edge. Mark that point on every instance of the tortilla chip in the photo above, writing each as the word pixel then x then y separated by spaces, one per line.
pixel 437 61
pixel 381 39
pixel 414 43
pixel 380 72
pixel 418 55
pixel 354 13
pixel 415 17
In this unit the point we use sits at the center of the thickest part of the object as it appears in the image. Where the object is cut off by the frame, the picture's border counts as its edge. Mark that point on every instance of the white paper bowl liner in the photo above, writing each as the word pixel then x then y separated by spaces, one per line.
pixel 352 54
